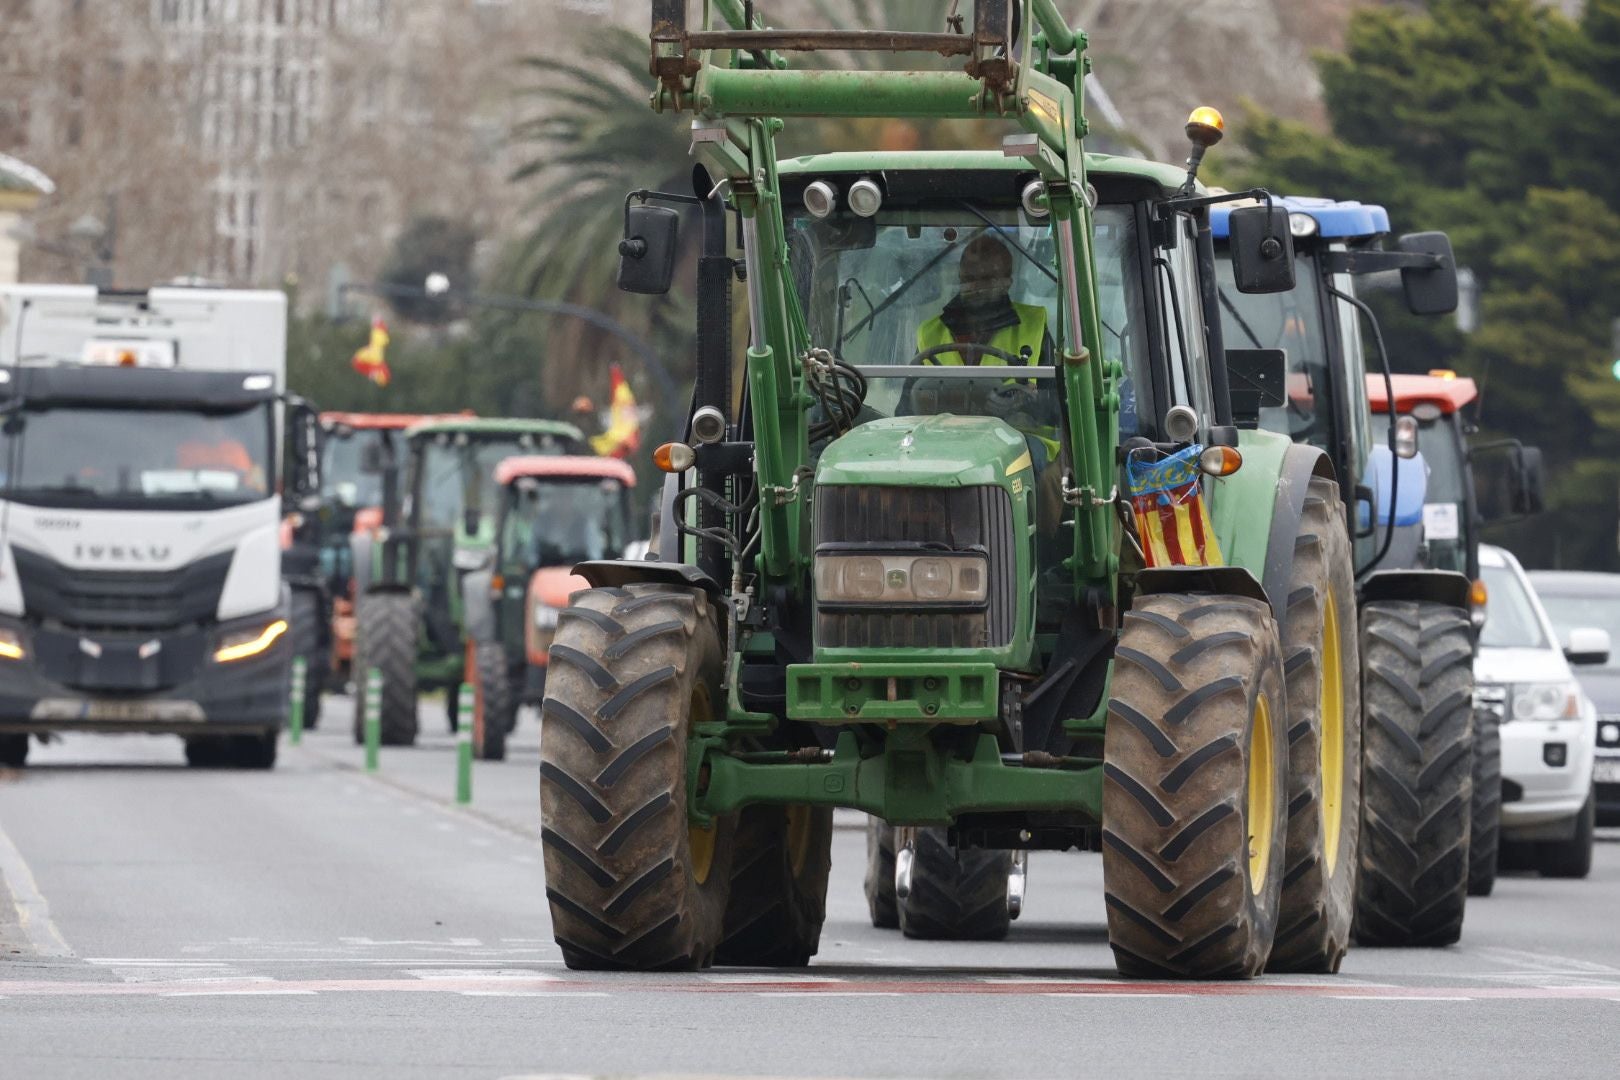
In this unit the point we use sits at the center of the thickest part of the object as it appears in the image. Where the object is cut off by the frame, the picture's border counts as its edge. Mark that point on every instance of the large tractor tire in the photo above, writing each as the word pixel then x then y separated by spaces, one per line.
pixel 634 884
pixel 305 618
pixel 1417 692
pixel 1485 825
pixel 880 899
pixel 385 638
pixel 1322 671
pixel 782 856
pixel 14 751
pixel 1570 858
pixel 1194 788
pixel 494 702
pixel 956 894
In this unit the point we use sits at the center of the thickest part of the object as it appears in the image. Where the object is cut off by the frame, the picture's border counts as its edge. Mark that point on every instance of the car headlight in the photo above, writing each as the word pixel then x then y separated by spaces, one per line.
pixel 245 643
pixel 11 646
pixel 545 617
pixel 888 579
pixel 1546 701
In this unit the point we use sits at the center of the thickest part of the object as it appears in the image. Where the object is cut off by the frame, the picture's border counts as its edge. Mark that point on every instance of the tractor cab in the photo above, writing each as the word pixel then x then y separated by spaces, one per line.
pixel 552 513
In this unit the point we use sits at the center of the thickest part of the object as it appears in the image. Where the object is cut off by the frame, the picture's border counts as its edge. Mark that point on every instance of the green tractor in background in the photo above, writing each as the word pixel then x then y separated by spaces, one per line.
pixel 409 619
pixel 978 546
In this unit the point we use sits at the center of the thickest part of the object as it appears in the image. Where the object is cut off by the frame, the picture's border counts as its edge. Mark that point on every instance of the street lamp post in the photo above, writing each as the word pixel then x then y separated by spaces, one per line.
pixel 438 287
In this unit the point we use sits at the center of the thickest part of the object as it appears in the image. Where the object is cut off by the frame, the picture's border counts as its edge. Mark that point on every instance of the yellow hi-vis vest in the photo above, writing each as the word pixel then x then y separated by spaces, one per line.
pixel 1030 333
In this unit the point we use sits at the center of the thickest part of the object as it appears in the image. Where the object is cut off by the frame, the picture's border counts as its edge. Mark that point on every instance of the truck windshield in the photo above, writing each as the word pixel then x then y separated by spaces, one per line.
pixel 127 458
pixel 903 288
pixel 1292 321
pixel 558 521
pixel 341 471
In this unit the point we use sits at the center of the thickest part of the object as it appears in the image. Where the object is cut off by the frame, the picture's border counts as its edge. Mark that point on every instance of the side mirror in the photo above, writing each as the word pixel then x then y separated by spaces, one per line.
pixel 1588 646
pixel 647 252
pixel 1258 379
pixel 1526 475
pixel 304 438
pixel 1432 290
pixel 1262 250
pixel 1406 437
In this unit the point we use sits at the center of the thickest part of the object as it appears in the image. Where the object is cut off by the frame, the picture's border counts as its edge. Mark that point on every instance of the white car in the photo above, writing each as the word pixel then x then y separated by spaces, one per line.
pixel 1549 726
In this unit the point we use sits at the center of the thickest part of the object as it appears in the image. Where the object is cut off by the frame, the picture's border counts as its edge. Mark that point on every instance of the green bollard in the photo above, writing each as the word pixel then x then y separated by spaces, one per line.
pixel 464 746
pixel 295 713
pixel 373 719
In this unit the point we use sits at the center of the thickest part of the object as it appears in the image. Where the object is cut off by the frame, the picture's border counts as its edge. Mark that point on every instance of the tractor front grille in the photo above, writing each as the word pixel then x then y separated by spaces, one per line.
pixel 896 519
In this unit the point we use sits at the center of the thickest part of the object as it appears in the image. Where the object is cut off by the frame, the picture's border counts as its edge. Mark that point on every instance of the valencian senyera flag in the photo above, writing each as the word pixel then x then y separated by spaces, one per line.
pixel 623 432
pixel 372 359
pixel 1171 518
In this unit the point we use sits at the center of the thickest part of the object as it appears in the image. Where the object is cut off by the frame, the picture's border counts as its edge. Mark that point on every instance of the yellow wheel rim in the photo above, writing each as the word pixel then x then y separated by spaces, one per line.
pixel 1262 808
pixel 700 838
pixel 799 820
pixel 1331 685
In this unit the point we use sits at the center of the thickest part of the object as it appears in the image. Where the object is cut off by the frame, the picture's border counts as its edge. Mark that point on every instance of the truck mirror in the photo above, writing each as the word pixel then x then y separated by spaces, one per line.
pixel 373 458
pixel 1429 290
pixel 647 252
pixel 1262 250
pixel 471 520
pixel 304 437
pixel 1257 379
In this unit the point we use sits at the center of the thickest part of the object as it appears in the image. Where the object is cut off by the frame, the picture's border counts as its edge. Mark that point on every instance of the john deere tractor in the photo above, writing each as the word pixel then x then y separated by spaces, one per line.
pixel 1416 682
pixel 433 531
pixel 977 546
pixel 551 513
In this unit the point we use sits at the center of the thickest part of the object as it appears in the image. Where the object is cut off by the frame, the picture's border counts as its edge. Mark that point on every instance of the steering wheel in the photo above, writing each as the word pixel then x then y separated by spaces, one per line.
pixel 966 348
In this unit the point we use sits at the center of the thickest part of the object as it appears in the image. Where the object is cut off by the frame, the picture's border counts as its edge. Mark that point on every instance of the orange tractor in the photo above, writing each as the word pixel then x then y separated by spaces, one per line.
pixel 553 513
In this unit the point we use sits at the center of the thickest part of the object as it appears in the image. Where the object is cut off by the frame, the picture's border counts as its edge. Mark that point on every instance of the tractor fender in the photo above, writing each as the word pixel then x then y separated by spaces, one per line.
pixel 1301 462
pixel 478 606
pixel 617 573
pixel 1435 586
pixel 1229 580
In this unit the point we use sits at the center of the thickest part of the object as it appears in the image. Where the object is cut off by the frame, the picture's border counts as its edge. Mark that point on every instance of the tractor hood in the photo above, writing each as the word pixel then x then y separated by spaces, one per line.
pixel 937 451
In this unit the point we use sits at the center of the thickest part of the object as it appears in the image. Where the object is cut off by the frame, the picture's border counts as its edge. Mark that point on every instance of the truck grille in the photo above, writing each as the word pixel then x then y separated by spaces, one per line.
pixel 971 519
pixel 121 599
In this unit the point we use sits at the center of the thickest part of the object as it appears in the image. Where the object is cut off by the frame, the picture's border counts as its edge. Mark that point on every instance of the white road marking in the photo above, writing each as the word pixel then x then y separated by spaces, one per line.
pixel 1397 997
pixel 237 993
pixel 33 913
pixel 535 993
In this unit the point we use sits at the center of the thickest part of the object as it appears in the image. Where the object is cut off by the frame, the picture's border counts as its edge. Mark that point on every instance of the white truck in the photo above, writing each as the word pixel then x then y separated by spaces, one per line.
pixel 142 487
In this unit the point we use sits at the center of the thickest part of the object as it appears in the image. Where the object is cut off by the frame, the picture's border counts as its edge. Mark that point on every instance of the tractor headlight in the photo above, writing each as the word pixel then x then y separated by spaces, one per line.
pixel 545 617
pixel 245 643
pixel 901 579
pixel 1546 701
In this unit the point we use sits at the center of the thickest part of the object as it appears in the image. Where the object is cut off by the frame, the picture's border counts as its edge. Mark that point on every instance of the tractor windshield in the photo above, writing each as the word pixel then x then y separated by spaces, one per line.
pixel 560 521
pixel 458 471
pixel 342 472
pixel 956 294
pixel 1294 322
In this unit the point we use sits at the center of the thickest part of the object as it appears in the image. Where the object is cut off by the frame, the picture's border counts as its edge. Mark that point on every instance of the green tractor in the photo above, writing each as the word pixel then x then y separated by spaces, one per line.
pixel 408 571
pixel 552 512
pixel 978 547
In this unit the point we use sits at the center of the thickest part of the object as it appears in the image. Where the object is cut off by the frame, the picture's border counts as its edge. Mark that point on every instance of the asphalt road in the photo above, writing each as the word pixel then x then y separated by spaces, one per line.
pixel 317 921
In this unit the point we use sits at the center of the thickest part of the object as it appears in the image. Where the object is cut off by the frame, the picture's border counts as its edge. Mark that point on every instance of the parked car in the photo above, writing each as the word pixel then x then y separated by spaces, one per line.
pixel 1572 600
pixel 1549 725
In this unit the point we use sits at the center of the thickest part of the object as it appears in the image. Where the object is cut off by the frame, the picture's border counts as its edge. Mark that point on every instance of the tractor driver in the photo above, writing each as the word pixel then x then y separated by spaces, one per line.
pixel 983 313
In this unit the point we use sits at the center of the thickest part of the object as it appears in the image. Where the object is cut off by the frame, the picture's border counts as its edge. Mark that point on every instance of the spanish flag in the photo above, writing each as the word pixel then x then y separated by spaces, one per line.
pixel 1172 521
pixel 623 432
pixel 372 360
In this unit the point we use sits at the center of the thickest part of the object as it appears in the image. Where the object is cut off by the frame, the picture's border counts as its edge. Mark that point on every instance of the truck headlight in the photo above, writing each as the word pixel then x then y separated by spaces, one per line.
pixel 545 617
pixel 11 646
pixel 887 579
pixel 1546 701
pixel 245 643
